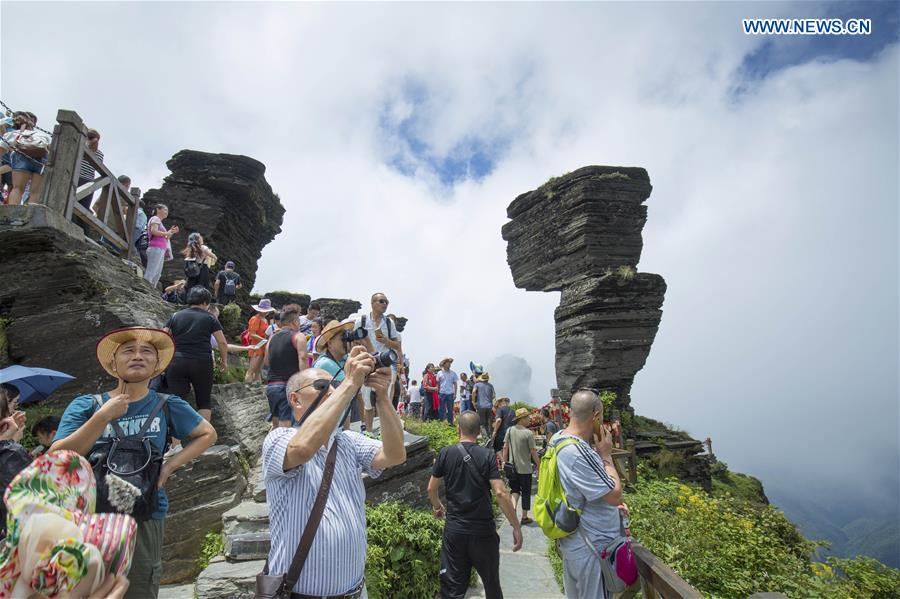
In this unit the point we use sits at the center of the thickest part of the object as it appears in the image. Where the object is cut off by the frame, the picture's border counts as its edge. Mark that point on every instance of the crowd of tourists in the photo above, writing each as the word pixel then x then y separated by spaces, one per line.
pixel 319 380
pixel 84 512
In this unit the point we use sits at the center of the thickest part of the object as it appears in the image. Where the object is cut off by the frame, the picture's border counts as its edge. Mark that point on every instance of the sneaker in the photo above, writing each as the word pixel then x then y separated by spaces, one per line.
pixel 526 521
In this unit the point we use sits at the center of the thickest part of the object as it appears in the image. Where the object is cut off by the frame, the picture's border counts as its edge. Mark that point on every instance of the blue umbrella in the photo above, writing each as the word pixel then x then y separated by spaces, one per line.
pixel 34 384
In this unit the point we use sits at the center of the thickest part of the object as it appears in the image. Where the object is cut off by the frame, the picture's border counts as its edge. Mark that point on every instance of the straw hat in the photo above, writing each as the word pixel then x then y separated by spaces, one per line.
pixel 264 305
pixel 158 338
pixel 441 363
pixel 484 377
pixel 331 329
pixel 522 413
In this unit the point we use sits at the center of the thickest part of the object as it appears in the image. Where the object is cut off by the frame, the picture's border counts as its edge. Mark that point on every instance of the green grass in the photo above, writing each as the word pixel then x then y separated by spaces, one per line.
pixel 213 545
pixel 555 563
pixel 439 433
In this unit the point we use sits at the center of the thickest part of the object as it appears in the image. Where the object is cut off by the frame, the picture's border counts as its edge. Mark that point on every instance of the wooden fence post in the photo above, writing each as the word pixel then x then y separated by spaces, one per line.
pixel 61 177
pixel 632 460
pixel 130 220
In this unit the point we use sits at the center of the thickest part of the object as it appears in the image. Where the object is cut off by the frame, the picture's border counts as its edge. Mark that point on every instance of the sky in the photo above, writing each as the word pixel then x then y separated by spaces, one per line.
pixel 397 134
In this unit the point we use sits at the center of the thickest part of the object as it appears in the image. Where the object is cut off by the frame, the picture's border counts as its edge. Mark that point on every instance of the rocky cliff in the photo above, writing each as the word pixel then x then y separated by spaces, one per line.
pixel 581 234
pixel 60 294
pixel 225 198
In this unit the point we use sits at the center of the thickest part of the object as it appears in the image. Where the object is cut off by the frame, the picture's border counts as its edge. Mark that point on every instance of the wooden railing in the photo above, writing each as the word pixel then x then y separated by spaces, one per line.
pixel 117 206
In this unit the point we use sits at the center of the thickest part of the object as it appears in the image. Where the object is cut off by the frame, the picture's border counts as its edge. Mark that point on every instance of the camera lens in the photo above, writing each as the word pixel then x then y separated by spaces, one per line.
pixel 385 358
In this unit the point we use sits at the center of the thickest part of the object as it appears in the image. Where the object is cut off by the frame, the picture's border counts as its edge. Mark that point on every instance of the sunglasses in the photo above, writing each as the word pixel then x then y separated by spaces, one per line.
pixel 382 301
pixel 319 385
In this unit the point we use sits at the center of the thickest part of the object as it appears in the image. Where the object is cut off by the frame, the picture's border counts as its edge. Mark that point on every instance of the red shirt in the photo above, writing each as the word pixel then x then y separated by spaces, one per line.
pixel 431 381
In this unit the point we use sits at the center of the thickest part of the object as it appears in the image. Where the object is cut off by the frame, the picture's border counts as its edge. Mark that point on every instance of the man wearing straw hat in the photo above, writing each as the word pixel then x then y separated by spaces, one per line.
pixel 134 356
pixel 519 450
pixel 333 354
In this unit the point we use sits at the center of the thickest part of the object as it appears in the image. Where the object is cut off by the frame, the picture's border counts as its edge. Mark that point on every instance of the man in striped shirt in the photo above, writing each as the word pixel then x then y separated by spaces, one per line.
pixel 293 465
pixel 591 483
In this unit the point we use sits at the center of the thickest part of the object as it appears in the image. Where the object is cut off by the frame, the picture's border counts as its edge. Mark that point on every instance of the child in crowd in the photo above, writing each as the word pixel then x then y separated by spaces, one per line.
pixel 44 429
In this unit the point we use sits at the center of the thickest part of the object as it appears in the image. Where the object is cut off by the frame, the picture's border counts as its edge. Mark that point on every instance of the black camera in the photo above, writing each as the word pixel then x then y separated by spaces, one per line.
pixel 385 359
pixel 354 335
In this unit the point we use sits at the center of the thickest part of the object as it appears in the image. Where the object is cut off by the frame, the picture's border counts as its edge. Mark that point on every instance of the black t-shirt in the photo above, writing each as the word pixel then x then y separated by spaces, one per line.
pixel 468 498
pixel 505 414
pixel 192 329
pixel 223 276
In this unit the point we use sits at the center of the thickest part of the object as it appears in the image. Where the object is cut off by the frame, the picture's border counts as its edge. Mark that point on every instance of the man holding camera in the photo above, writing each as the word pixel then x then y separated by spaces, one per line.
pixel 382 336
pixel 295 461
pixel 333 347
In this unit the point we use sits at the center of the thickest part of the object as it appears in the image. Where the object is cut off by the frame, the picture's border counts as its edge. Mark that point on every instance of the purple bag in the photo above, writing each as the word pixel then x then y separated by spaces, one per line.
pixel 618 565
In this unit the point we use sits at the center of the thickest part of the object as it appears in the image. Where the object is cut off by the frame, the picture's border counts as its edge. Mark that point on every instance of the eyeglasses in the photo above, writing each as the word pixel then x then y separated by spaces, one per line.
pixel 319 385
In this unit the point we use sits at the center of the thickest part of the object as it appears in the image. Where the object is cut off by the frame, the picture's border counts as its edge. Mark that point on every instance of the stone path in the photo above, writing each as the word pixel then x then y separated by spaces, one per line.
pixel 527 572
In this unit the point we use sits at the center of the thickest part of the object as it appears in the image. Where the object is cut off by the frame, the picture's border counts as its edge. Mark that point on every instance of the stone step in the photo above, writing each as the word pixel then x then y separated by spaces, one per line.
pixel 228 580
pixel 248 516
pixel 177 591
pixel 242 547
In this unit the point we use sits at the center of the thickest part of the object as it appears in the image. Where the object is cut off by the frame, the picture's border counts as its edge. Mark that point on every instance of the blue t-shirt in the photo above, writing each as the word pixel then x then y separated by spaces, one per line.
pixel 184 420
pixel 327 363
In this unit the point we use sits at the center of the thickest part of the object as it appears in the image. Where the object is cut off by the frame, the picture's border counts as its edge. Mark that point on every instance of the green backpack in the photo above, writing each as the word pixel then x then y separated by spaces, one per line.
pixel 551 510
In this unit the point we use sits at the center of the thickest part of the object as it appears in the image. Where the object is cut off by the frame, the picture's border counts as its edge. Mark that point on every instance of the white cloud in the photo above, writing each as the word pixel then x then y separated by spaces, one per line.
pixel 773 218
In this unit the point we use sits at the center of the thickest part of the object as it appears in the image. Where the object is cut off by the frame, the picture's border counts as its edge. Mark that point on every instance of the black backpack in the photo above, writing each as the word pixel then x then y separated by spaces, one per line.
pixel 230 288
pixel 191 269
pixel 134 459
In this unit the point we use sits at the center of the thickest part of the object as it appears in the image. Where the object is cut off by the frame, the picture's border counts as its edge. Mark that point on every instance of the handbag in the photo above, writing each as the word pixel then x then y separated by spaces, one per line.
pixel 617 562
pixel 269 586
pixel 509 468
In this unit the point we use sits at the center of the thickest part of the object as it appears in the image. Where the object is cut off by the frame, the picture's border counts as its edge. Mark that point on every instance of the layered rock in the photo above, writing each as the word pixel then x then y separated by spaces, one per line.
pixel 581 234
pixel 239 417
pixel 337 308
pixel 226 198
pixel 199 493
pixel 60 294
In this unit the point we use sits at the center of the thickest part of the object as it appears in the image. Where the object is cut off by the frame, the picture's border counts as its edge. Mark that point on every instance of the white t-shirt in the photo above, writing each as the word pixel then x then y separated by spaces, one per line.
pixel 370 327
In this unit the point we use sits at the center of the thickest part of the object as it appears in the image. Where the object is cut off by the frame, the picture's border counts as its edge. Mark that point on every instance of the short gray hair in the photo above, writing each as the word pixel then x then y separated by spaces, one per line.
pixel 469 423
pixel 583 405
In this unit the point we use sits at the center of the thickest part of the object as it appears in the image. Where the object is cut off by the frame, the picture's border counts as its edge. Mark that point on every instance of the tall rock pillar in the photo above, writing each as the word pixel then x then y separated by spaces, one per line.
pixel 226 198
pixel 581 234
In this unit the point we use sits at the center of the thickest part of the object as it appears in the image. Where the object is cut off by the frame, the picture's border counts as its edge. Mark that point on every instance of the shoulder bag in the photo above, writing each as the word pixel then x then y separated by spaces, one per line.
pixel 269 586
pixel 509 468
pixel 617 562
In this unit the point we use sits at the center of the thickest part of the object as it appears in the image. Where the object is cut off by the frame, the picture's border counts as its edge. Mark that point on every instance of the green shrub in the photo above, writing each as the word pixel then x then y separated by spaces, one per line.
pixel 520 404
pixel 609 399
pixel 439 433
pixel 731 548
pixel 862 577
pixel 403 555
pixel 34 413
pixel 234 374
pixel 230 317
pixel 213 545
pixel 555 563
